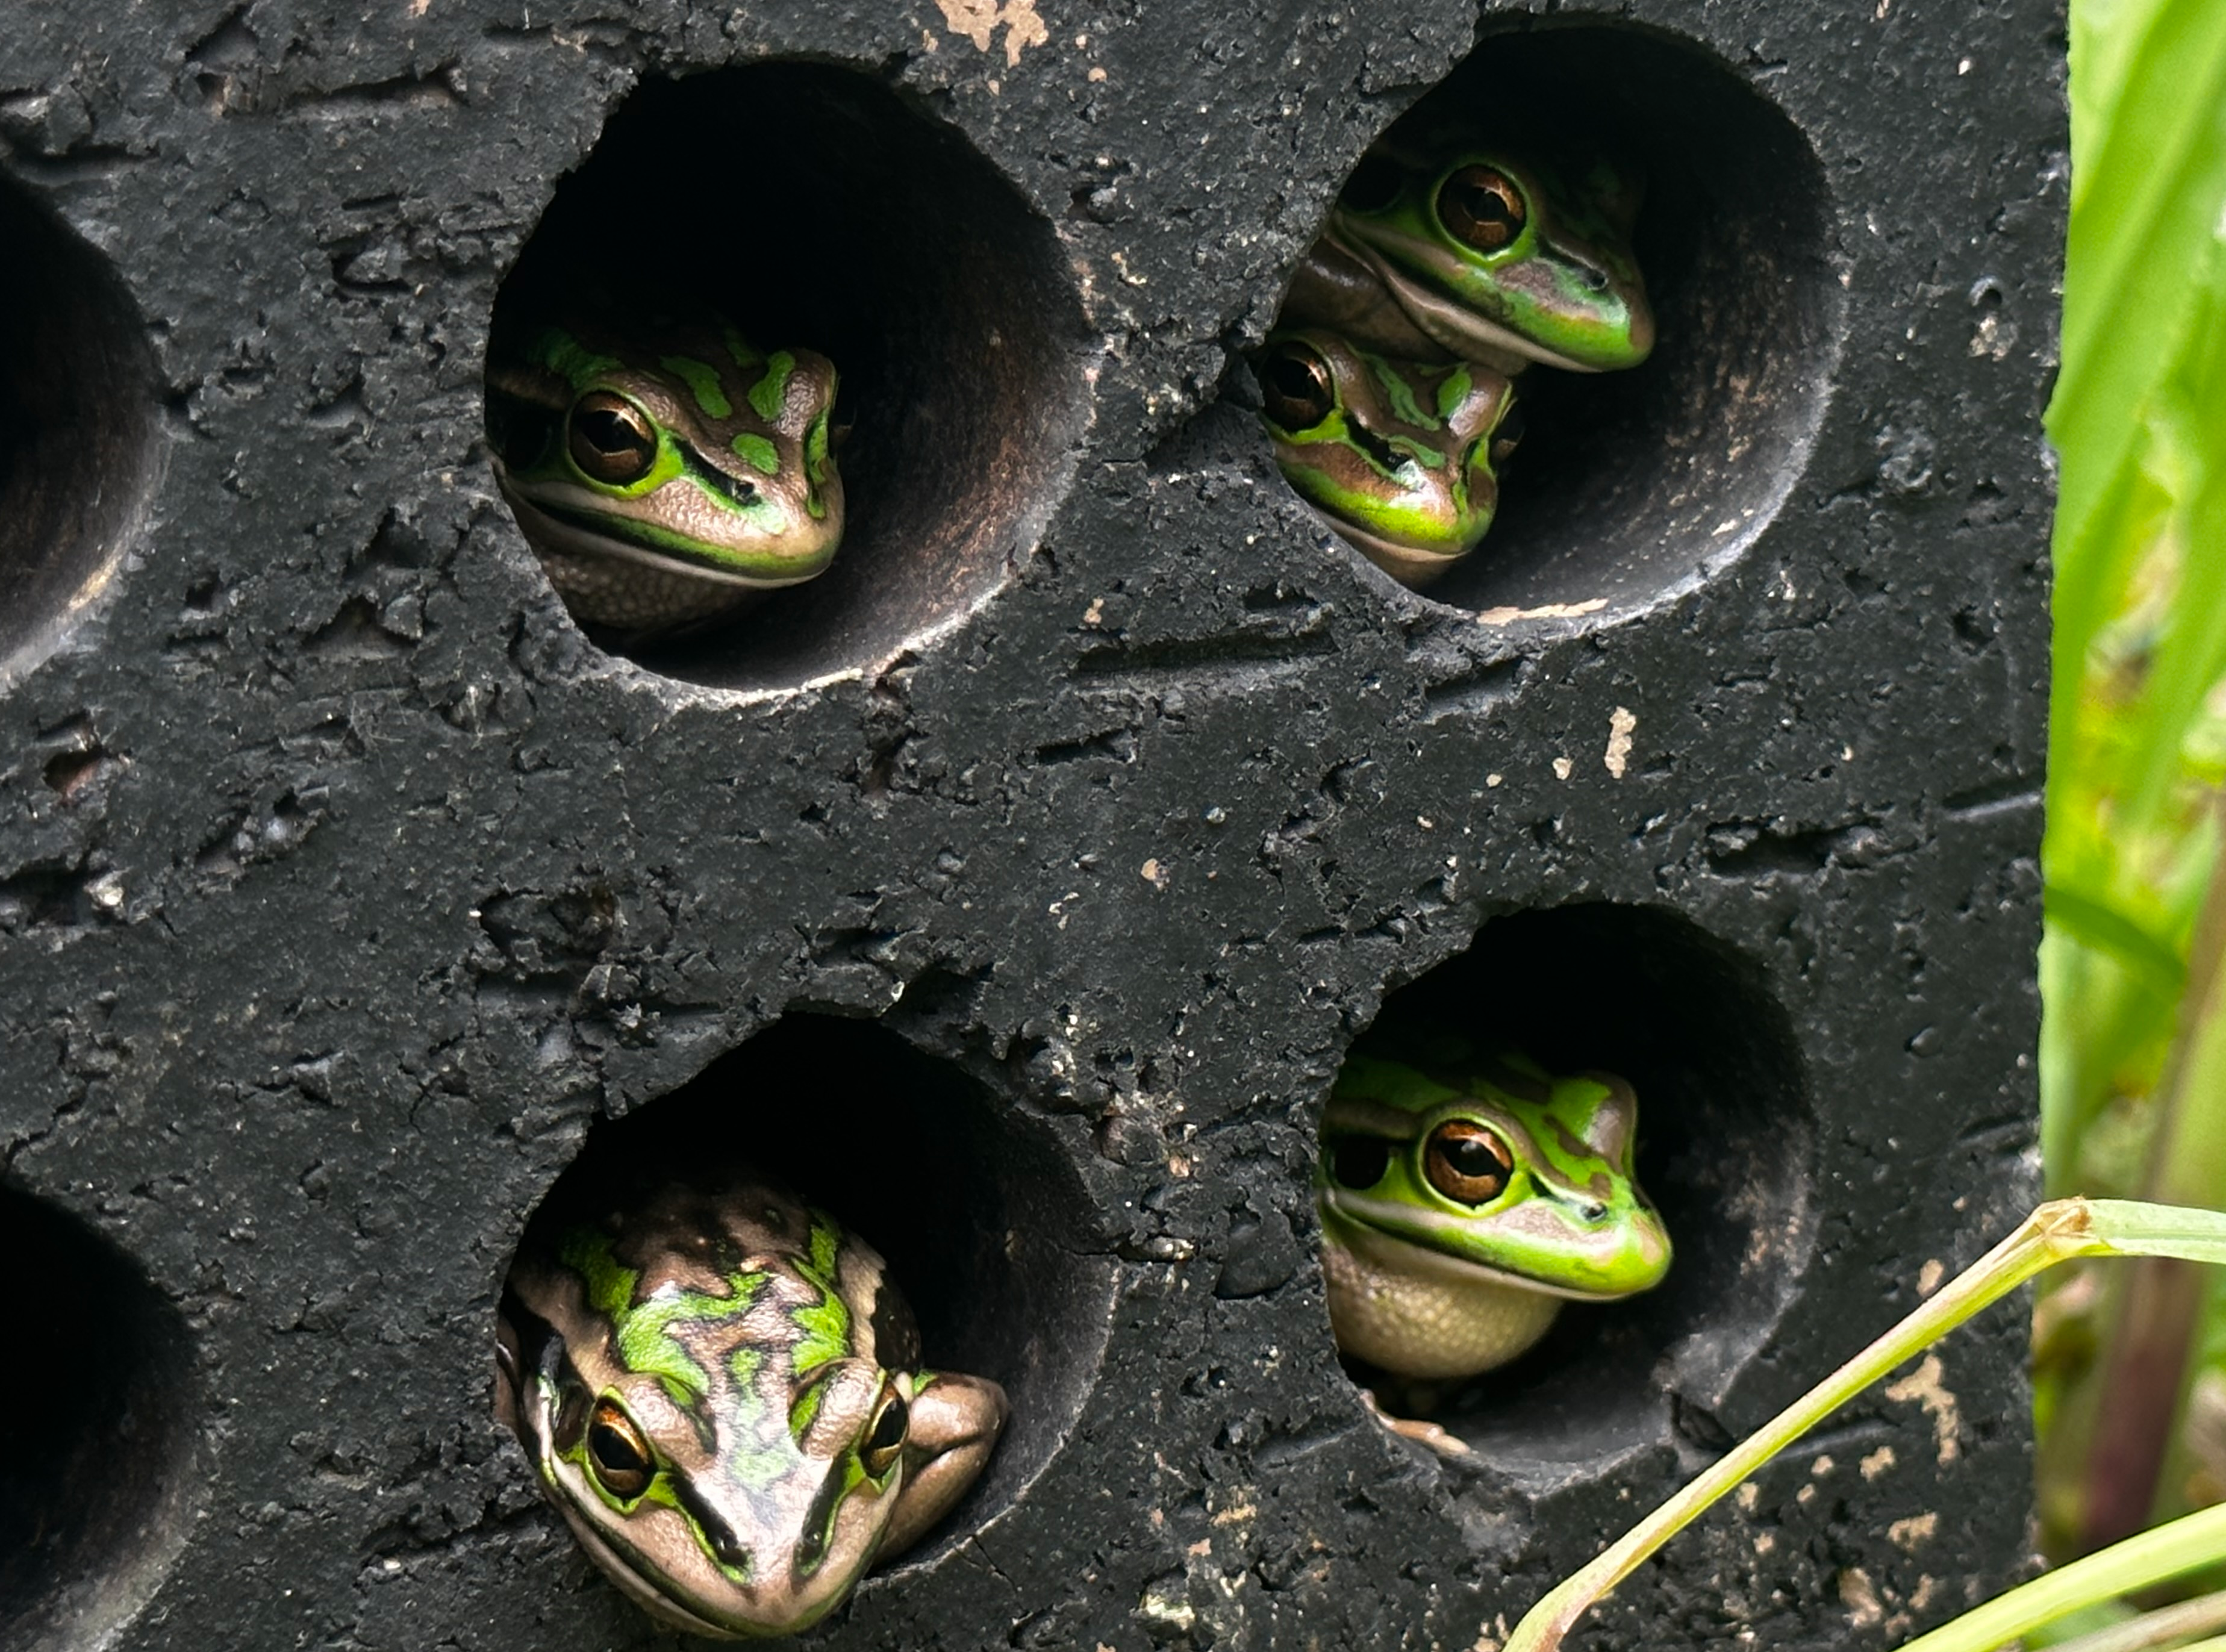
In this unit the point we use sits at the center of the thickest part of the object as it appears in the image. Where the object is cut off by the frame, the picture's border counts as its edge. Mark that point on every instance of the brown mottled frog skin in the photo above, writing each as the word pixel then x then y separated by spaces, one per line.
pixel 721 1391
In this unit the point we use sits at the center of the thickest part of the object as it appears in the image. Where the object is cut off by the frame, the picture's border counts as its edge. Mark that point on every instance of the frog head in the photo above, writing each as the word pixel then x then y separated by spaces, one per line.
pixel 733 1425
pixel 666 469
pixel 1401 456
pixel 1501 255
pixel 1491 1165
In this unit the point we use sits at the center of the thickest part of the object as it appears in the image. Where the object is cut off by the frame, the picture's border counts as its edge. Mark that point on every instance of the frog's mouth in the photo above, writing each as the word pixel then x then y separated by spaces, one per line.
pixel 640 1581
pixel 1348 1220
pixel 582 533
pixel 1453 326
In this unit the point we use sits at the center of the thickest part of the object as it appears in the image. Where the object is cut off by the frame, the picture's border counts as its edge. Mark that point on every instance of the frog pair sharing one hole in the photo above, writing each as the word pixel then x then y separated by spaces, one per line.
pixel 669 473
pixel 721 1388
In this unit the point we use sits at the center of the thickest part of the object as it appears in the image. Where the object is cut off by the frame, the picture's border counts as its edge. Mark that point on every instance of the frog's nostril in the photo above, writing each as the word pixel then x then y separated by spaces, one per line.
pixel 1594 1213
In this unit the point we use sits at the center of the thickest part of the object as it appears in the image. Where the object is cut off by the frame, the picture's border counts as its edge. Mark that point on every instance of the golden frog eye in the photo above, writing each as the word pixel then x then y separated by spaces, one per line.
pixel 611 439
pixel 1481 206
pixel 885 1440
pixel 1469 1163
pixel 1505 438
pixel 1296 391
pixel 618 1456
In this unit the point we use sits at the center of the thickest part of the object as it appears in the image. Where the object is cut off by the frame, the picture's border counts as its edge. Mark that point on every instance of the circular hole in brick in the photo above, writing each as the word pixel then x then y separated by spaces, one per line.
pixel 854 223
pixel 1726 1152
pixel 96 1433
pixel 78 424
pixel 980 1219
pixel 1631 485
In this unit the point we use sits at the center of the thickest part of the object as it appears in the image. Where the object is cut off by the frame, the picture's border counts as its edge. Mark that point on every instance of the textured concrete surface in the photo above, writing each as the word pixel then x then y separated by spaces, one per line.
pixel 1022 888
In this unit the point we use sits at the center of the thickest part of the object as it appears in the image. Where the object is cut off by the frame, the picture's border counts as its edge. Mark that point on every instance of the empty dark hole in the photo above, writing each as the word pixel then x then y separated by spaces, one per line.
pixel 1630 485
pixel 1725 1151
pixel 78 453
pixel 904 256
pixel 1358 1161
pixel 978 1215
pixel 95 1433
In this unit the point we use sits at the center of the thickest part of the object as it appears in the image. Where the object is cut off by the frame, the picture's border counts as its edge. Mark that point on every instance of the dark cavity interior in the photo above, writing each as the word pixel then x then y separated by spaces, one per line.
pixel 98 1409
pixel 77 428
pixel 880 238
pixel 1630 484
pixel 979 1217
pixel 1725 1151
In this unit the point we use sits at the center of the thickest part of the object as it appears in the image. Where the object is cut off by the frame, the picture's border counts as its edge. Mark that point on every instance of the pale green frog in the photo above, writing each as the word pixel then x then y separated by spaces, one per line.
pixel 1401 456
pixel 667 471
pixel 720 1389
pixel 1445 245
pixel 1464 1197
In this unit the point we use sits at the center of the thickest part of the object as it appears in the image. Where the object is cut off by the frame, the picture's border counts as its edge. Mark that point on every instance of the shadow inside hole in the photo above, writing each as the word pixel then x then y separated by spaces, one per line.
pixel 1632 484
pixel 78 453
pixel 980 1218
pixel 855 224
pixel 1725 1152
pixel 95 1434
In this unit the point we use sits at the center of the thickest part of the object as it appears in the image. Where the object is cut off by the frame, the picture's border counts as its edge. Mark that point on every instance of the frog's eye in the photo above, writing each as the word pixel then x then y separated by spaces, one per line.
pixel 611 439
pixel 1481 206
pixel 1358 1161
pixel 1296 391
pixel 885 1438
pixel 618 1456
pixel 1510 433
pixel 1469 1163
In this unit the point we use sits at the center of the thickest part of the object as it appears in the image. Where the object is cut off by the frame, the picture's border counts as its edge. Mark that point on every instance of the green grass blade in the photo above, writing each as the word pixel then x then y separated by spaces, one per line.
pixel 2187 1545
pixel 2197 1616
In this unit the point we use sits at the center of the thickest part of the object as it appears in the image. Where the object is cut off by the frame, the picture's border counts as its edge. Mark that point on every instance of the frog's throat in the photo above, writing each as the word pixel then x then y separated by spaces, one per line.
pixel 541 527
pixel 1425 1326
pixel 1351 1228
pixel 1411 566
pixel 1454 327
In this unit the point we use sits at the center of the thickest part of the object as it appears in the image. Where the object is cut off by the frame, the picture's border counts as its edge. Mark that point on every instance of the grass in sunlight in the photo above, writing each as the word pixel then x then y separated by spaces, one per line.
pixel 2130 1364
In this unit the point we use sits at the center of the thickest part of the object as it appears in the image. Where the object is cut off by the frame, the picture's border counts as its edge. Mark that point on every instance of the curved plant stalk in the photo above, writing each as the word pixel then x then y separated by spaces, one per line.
pixel 2056 1232
pixel 2200 1616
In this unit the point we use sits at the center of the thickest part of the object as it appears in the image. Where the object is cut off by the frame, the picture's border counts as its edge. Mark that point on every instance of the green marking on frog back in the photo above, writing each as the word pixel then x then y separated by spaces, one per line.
pixel 702 379
pixel 772 388
pixel 826 1323
pixel 757 453
pixel 645 1340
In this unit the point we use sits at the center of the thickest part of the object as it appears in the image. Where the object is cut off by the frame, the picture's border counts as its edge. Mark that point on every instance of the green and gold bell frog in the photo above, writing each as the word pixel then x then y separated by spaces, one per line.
pixel 1442 246
pixel 1401 456
pixel 721 1391
pixel 1445 250
pixel 668 470
pixel 1465 1197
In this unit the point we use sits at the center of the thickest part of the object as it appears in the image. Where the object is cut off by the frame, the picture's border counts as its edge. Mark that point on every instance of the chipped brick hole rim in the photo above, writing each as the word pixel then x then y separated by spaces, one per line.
pixel 942 298
pixel 96 1433
pixel 1726 1151
pixel 78 426
pixel 1631 487
pixel 980 1213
